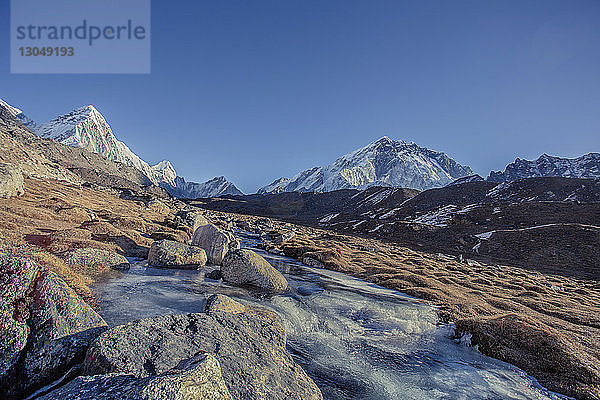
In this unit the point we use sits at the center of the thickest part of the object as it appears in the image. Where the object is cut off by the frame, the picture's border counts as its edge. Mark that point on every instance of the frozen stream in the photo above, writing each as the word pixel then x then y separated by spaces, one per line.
pixel 355 339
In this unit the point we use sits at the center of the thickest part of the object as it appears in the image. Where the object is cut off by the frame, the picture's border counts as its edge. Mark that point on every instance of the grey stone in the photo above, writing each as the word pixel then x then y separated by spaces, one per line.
pixel 245 267
pixel 191 218
pixel 198 378
pixel 168 253
pixel 250 346
pixel 90 256
pixel 45 327
pixel 214 241
pixel 11 181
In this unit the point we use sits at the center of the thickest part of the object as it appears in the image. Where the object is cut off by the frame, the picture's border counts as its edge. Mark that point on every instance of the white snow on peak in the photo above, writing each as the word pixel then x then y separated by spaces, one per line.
pixel 384 162
pixel 86 127
pixel 19 115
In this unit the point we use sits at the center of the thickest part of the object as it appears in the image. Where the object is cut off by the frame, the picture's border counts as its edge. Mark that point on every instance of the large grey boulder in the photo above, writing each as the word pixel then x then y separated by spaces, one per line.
pixel 45 327
pixel 245 267
pixel 190 218
pixel 199 378
pixel 250 345
pixel 11 181
pixel 214 241
pixel 168 253
pixel 103 258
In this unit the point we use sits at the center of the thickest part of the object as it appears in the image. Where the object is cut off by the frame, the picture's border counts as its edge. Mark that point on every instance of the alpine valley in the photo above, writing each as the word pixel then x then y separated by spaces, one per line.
pixel 394 272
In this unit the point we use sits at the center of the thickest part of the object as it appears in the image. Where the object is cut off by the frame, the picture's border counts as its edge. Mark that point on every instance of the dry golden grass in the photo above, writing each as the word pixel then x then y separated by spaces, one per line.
pixel 53 217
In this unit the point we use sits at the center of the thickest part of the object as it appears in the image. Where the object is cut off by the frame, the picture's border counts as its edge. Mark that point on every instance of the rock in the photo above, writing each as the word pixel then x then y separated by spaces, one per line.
pixel 168 253
pixel 244 225
pixel 45 327
pixel 284 237
pixel 214 241
pixel 222 303
pixel 311 262
pixel 11 181
pixel 103 258
pixel 190 217
pixel 199 378
pixel 245 267
pixel 249 345
pixel 214 274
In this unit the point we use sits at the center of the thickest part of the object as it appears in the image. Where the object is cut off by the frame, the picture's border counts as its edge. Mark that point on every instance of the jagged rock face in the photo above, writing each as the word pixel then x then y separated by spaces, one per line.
pixel 249 345
pixel 45 327
pixel 586 166
pixel 201 379
pixel 384 162
pixel 11 181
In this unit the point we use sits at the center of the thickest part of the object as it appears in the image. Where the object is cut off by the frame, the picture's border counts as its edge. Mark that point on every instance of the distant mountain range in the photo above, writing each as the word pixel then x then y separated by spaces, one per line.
pixel 385 162
pixel 87 128
pixel 586 166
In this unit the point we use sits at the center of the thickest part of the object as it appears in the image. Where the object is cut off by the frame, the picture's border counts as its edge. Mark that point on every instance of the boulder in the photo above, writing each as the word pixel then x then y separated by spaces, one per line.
pixel 214 274
pixel 214 241
pixel 284 237
pixel 103 258
pixel 45 327
pixel 222 303
pixel 191 218
pixel 11 181
pixel 249 345
pixel 168 253
pixel 245 267
pixel 198 378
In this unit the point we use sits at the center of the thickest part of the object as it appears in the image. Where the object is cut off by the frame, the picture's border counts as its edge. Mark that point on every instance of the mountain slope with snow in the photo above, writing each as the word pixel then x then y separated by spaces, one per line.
pixel 385 162
pixel 19 115
pixel 586 166
pixel 215 187
pixel 85 127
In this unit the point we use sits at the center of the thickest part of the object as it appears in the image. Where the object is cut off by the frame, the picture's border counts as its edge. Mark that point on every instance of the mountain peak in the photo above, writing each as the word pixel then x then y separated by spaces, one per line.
pixel 586 166
pixel 385 162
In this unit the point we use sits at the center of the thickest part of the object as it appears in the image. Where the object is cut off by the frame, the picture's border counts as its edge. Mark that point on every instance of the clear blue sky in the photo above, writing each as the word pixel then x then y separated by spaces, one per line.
pixel 255 90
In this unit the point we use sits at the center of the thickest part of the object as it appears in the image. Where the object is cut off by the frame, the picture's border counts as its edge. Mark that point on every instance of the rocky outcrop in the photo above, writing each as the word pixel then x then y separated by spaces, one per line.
pixel 11 181
pixel 45 327
pixel 245 267
pixel 198 378
pixel 103 258
pixel 168 253
pixel 249 345
pixel 214 241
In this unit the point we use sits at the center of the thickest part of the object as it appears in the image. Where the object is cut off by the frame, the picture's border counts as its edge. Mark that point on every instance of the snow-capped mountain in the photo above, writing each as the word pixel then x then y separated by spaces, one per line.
pixel 218 186
pixel 385 162
pixel 277 186
pixel 86 127
pixel 586 166
pixel 19 115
